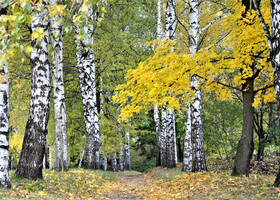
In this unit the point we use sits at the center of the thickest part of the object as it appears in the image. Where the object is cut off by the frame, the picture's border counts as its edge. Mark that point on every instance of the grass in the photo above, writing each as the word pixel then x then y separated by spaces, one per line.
pixel 160 183
pixel 143 166
pixel 74 184
pixel 214 185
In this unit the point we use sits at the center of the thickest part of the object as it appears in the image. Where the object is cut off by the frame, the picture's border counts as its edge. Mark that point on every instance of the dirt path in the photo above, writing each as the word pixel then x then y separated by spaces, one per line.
pixel 128 185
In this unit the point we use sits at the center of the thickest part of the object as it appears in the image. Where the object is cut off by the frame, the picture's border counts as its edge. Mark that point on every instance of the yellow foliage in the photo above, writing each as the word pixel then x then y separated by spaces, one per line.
pixel 38 34
pixel 164 77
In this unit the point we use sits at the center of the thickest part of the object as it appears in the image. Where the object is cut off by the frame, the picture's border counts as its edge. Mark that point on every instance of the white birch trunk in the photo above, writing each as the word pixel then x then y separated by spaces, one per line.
pixel 4 122
pixel 156 115
pixel 61 159
pixel 174 139
pixel 122 159
pixel 274 44
pixel 81 159
pixel 168 132
pixel 163 140
pixel 158 135
pixel 86 67
pixel 188 154
pixel 114 165
pixel 33 149
pixel 159 23
pixel 199 163
pixel 170 138
pixel 127 163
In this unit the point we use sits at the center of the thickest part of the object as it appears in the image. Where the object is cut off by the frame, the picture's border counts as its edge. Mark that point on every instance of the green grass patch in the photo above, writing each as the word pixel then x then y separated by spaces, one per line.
pixel 143 166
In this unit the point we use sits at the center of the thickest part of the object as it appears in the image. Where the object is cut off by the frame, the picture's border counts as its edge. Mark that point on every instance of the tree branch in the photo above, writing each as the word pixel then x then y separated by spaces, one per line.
pixel 263 88
pixel 265 27
pixel 216 19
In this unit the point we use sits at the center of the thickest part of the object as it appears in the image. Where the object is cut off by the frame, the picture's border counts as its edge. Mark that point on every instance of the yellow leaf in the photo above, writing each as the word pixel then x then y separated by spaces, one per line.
pixel 103 9
pixel 28 49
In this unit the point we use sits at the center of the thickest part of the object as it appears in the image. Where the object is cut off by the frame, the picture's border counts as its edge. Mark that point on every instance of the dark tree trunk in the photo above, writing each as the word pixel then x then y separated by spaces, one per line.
pixel 262 143
pixel 246 144
pixel 260 132
pixel 31 159
pixel 180 152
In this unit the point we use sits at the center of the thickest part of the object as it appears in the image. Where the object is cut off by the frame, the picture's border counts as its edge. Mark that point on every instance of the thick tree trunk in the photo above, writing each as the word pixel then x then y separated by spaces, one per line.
pixel 246 144
pixel 188 150
pixel 4 124
pixel 61 159
pixel 33 149
pixel 168 135
pixel 86 67
pixel 158 135
pixel 275 60
pixel 199 162
pixel 170 140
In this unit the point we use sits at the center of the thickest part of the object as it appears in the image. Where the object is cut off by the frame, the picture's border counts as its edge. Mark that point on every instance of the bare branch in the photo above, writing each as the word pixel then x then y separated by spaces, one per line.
pixel 216 19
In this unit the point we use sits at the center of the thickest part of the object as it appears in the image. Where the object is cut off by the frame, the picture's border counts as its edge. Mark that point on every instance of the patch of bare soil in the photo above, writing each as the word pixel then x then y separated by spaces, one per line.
pixel 127 185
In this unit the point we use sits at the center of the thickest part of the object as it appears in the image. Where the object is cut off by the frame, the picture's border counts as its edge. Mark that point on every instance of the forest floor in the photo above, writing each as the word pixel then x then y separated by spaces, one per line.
pixel 156 183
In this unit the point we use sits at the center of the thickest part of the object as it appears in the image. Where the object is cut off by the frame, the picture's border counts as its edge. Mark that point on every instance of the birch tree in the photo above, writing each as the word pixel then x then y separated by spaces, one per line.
pixel 158 135
pixel 31 159
pixel 273 39
pixel 114 166
pixel 198 163
pixel 127 163
pixel 4 115
pixel 61 159
pixel 156 114
pixel 86 67
pixel 168 134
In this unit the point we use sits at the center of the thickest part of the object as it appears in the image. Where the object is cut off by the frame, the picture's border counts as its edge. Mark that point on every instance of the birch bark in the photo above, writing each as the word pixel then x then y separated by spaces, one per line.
pixel 275 58
pixel 114 166
pixel 158 135
pixel 61 159
pixel 198 162
pixel 127 163
pixel 4 119
pixel 86 67
pixel 33 149
pixel 156 115
pixel 122 159
pixel 168 141
pixel 163 152
pixel 188 154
